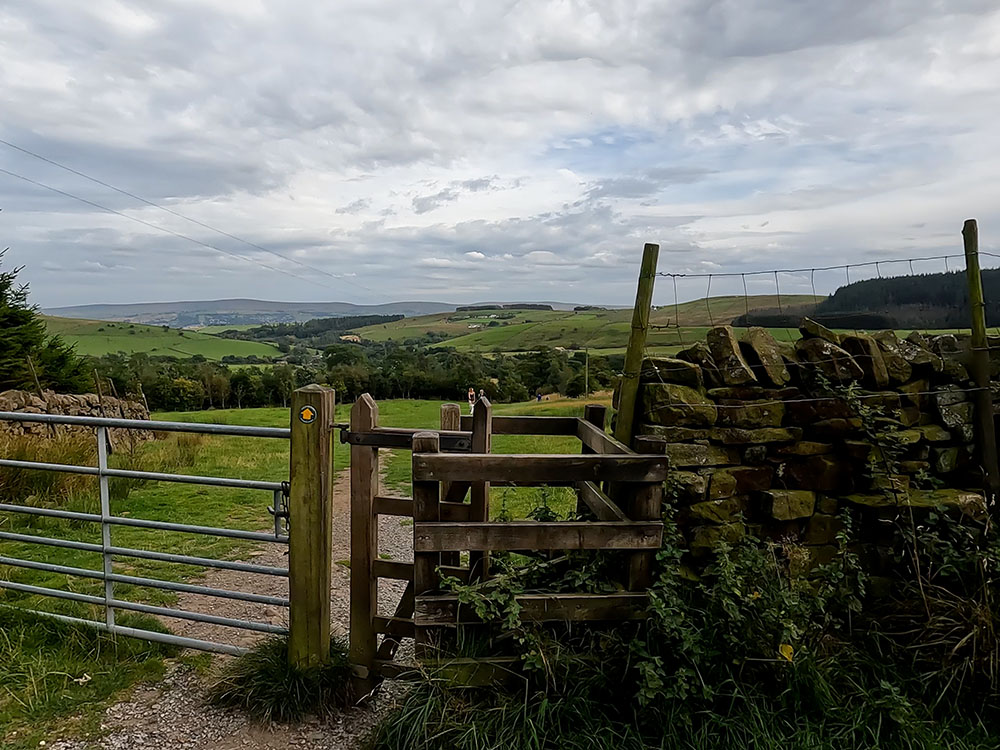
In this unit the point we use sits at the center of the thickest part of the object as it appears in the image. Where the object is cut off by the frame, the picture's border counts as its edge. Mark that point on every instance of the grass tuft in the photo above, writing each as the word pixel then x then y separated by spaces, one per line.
pixel 263 684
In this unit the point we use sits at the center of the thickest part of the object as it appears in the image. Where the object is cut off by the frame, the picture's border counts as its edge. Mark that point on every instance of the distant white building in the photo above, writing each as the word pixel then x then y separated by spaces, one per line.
pixel 352 338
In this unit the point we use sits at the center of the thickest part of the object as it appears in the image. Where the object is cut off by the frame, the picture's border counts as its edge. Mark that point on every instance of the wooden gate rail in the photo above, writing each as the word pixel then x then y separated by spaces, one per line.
pixel 452 472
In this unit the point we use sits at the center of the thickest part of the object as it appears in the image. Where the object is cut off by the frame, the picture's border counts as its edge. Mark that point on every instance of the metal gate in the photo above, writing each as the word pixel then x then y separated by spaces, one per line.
pixel 109 602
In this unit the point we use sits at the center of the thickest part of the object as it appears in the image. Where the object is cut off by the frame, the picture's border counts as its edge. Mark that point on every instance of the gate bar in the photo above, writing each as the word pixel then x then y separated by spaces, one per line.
pixel 149 425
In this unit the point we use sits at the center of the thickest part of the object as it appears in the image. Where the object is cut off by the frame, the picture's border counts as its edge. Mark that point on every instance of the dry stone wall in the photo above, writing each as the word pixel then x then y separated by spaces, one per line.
pixel 85 405
pixel 776 438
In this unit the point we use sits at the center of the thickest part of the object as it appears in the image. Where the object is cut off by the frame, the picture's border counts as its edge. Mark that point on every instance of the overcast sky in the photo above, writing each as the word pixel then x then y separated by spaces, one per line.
pixel 492 150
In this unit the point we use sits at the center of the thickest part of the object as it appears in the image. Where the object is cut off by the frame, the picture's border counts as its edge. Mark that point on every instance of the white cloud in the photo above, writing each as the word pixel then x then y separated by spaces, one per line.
pixel 450 150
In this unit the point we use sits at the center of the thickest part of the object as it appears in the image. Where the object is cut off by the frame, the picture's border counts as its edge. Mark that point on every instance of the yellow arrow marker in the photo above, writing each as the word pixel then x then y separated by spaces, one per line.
pixel 307 414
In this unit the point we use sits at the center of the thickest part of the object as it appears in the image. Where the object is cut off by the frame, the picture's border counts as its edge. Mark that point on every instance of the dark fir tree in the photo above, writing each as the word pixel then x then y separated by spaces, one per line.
pixel 24 342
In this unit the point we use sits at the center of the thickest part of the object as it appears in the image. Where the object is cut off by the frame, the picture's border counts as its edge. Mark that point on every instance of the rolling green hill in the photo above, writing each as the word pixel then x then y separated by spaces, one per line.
pixel 598 329
pixel 97 337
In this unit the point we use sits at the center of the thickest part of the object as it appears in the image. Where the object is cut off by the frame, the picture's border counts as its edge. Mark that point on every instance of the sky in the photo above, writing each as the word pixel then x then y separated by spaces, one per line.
pixel 369 151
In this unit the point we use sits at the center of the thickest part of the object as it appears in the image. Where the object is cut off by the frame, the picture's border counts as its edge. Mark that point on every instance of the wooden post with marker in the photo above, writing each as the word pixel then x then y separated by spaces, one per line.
pixel 310 525
pixel 629 394
pixel 980 362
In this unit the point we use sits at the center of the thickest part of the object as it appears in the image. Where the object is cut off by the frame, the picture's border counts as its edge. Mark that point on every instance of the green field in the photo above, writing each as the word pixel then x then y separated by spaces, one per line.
pixel 42 667
pixel 605 330
pixel 97 338
pixel 233 327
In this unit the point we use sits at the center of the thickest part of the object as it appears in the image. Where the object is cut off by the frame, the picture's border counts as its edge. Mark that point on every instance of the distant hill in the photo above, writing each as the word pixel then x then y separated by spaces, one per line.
pixel 238 311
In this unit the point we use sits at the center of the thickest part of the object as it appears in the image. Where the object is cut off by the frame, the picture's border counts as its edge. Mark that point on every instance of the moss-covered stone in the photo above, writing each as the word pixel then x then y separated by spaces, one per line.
pixel 935 433
pixel 675 434
pixel 804 560
pixel 764 356
pixel 670 370
pixel 728 358
pixel 687 455
pixel 916 351
pixel 834 429
pixel 805 448
pixel 750 414
pixel 724 510
pixel 914 466
pixel 834 363
pixel 828 473
pixel 672 404
pixel 809 328
pixel 898 368
pixel 903 437
pixel 868 355
pixel 687 486
pixel 709 537
pixel 971 503
pixel 945 460
pixel 699 354
pixel 737 436
pixel 826 504
pixel 787 505
pixel 822 529
pixel 739 480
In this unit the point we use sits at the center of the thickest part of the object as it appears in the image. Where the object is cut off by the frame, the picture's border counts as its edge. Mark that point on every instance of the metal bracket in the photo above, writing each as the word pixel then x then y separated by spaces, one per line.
pixel 282 517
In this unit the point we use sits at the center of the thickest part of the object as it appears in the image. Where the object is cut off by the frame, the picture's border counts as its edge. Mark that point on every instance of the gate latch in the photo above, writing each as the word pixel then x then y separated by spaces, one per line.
pixel 282 518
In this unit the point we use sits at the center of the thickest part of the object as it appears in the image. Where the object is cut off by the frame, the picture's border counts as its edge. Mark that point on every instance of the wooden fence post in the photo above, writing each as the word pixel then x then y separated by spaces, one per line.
pixel 451 419
pixel 426 507
pixel 364 547
pixel 479 492
pixel 597 415
pixel 645 505
pixel 629 394
pixel 311 525
pixel 980 360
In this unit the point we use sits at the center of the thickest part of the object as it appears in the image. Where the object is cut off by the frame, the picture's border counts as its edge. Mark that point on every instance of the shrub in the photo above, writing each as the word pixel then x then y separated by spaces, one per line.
pixel 267 687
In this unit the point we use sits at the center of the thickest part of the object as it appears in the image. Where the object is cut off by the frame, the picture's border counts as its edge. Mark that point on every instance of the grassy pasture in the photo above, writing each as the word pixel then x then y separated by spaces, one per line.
pixel 98 337
pixel 39 662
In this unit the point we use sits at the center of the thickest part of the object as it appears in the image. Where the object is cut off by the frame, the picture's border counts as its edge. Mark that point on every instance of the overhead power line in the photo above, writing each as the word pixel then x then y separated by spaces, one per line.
pixel 178 214
pixel 161 229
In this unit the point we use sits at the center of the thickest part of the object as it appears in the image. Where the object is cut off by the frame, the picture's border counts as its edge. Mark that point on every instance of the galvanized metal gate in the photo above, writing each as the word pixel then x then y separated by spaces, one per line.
pixel 109 602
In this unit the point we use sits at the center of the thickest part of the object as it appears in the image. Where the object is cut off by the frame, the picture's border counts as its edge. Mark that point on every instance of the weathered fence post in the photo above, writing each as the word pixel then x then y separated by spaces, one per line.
pixel 451 419
pixel 426 507
pixel 597 415
pixel 364 546
pixel 645 505
pixel 479 492
pixel 980 360
pixel 629 393
pixel 311 525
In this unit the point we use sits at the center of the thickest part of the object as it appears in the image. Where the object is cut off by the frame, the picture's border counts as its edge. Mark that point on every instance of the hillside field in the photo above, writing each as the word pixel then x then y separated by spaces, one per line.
pixel 604 330
pixel 97 338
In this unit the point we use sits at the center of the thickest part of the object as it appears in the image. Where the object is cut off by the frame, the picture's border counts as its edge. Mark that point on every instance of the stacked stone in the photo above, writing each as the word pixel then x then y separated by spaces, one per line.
pixel 752 444
pixel 85 405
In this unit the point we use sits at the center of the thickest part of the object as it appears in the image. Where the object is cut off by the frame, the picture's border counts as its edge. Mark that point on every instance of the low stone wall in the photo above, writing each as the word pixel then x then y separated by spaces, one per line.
pixel 86 405
pixel 778 437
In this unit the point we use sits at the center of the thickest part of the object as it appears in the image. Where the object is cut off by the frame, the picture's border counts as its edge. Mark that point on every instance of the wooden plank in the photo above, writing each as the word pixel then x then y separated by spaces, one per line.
pixel 629 394
pixel 390 644
pixel 397 626
pixel 311 531
pixel 402 438
pixel 403 506
pixel 446 611
pixel 598 440
pixel 599 504
pixel 646 504
pixel 399 571
pixel 364 546
pixel 426 496
pixel 528 425
pixel 457 672
pixel 393 506
pixel 533 468
pixel 530 535
pixel 479 492
pixel 451 420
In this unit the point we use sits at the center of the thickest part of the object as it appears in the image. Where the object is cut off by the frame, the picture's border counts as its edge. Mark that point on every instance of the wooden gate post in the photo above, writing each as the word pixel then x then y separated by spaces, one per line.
pixel 311 525
pixel 426 507
pixel 645 505
pixel 980 360
pixel 597 415
pixel 364 547
pixel 451 420
pixel 629 394
pixel 479 492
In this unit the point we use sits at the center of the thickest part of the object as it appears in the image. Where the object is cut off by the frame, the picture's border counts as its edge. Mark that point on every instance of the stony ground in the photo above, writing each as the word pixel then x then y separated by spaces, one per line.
pixel 174 713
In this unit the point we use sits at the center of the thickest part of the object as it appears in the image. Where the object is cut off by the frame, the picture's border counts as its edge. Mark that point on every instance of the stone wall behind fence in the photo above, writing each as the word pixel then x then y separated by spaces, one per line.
pixel 85 405
pixel 776 438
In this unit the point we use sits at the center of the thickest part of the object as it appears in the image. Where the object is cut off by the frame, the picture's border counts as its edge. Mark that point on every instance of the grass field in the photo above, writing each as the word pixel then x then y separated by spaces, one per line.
pixel 42 667
pixel 97 337
pixel 604 330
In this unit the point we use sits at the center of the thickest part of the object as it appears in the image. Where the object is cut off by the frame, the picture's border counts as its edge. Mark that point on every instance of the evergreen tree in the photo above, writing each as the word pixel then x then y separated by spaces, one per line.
pixel 23 336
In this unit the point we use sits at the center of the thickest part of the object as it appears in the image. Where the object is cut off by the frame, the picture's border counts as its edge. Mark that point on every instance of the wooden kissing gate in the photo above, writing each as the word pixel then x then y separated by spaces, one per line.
pixel 619 492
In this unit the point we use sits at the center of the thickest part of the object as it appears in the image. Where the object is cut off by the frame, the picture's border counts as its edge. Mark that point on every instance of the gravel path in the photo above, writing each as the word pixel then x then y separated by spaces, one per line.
pixel 174 712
